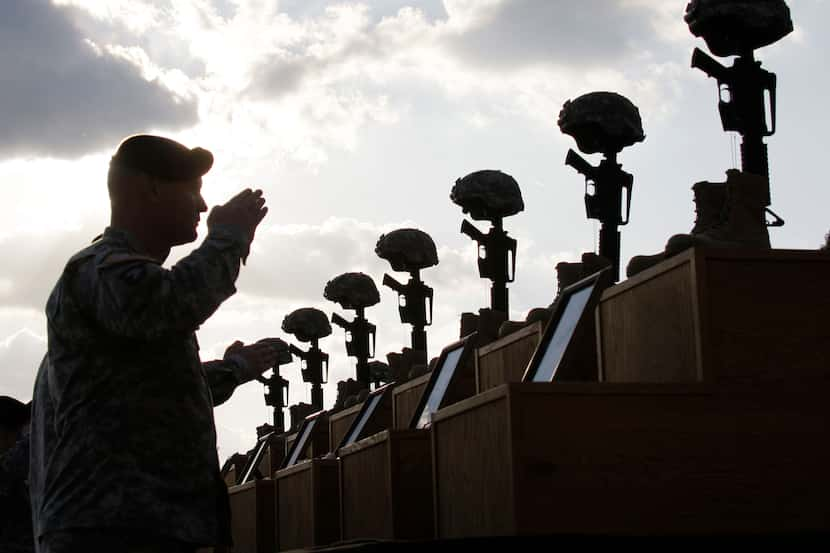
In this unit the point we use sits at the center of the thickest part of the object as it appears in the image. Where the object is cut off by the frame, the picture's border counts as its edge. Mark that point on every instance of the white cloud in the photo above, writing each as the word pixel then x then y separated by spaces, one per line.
pixel 138 15
pixel 64 98
pixel 20 356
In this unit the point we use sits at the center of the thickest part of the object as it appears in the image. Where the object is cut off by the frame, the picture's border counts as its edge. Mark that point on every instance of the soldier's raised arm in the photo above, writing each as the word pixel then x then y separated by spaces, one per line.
pixel 132 296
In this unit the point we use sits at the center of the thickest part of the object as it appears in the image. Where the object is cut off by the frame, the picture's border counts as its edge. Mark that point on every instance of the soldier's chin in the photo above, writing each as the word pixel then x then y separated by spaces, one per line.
pixel 186 237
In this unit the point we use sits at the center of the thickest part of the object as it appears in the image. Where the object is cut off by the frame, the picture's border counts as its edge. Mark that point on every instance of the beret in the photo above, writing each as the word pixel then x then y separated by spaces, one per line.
pixel 162 157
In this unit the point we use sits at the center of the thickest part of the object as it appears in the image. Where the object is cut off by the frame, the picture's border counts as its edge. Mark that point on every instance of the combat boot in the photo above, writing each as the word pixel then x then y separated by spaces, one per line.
pixel 743 223
pixel 568 273
pixel 710 205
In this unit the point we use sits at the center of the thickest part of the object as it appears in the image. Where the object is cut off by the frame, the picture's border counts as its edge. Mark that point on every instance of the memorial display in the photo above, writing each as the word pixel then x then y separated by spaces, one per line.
pixel 304 435
pixel 361 423
pixel 410 250
pixel 567 349
pixel 356 291
pixel 732 214
pixel 276 387
pixel 251 470
pixel 604 122
pixel 685 400
pixel 441 379
pixel 309 325
pixel 491 196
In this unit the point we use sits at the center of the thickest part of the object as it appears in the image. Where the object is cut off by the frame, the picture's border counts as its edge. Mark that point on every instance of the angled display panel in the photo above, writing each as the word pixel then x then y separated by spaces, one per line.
pixel 441 380
pixel 574 309
pixel 366 413
pixel 250 471
pixel 301 442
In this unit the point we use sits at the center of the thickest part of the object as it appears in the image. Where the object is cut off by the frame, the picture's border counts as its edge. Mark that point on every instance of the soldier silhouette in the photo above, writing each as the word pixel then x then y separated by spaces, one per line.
pixel 123 442
pixel 16 522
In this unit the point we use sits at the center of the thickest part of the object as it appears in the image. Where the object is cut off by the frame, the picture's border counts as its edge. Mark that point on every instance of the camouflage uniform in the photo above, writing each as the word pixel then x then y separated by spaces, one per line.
pixel 122 418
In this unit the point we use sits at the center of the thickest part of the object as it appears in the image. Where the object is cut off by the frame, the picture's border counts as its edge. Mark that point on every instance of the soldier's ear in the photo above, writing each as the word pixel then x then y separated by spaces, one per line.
pixel 154 189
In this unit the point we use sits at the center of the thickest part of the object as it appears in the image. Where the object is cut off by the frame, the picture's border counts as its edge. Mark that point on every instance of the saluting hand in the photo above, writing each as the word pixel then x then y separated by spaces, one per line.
pixel 244 211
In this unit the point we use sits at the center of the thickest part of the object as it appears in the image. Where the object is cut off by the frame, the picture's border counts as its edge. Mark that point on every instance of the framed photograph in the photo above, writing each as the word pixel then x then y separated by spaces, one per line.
pixel 360 425
pixel 251 470
pixel 441 381
pixel 567 350
pixel 302 441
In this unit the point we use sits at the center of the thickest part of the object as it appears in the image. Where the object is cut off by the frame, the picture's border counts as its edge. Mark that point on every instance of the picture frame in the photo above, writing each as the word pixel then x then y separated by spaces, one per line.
pixel 251 471
pixel 370 407
pixel 442 378
pixel 303 436
pixel 567 349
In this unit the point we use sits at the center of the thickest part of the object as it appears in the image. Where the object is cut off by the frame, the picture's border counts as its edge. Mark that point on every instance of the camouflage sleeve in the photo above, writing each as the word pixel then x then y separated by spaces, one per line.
pixel 134 297
pixel 222 379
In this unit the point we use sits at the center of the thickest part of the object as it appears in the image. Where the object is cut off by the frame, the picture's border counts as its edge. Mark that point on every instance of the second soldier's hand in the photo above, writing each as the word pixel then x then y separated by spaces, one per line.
pixel 244 211
pixel 258 357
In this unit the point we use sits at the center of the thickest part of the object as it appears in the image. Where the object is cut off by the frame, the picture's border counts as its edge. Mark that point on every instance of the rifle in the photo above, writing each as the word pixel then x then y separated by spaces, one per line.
pixel 415 300
pixel 496 260
pixel 742 104
pixel 414 306
pixel 609 182
pixel 360 341
pixel 314 369
pixel 605 204
pixel 276 396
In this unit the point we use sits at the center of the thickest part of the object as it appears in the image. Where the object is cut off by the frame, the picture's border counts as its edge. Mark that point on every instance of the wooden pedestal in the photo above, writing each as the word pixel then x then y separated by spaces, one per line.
pixel 386 487
pixel 405 400
pixel 340 422
pixel 719 316
pixel 505 360
pixel 308 509
pixel 252 516
pixel 547 458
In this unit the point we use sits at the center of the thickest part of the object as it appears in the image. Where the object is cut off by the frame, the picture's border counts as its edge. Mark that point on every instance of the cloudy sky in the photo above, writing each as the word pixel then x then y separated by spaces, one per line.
pixel 356 118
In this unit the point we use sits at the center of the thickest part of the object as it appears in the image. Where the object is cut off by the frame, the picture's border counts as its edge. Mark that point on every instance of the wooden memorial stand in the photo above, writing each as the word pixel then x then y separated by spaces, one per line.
pixel 505 360
pixel 252 523
pixel 308 510
pixel 710 419
pixel 386 489
pixel 725 316
pixel 340 422
pixel 405 400
pixel 307 507
pixel 599 458
pixel 385 483
pixel 253 500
